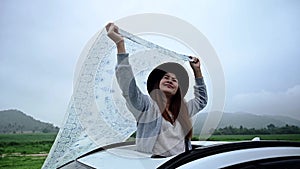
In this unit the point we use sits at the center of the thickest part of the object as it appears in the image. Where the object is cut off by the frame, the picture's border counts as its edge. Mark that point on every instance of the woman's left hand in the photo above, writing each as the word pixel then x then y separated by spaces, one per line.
pixel 195 64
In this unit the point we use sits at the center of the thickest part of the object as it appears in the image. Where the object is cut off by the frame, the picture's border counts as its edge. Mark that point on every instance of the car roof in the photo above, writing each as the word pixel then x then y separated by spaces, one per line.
pixel 236 147
pixel 125 155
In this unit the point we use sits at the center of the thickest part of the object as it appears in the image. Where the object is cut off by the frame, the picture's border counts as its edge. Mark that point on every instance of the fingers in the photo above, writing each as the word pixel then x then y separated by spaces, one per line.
pixel 113 33
pixel 116 28
pixel 111 27
pixel 194 59
pixel 108 26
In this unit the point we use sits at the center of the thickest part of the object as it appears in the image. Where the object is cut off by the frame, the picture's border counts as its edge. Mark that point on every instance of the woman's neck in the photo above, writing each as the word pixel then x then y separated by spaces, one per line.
pixel 167 102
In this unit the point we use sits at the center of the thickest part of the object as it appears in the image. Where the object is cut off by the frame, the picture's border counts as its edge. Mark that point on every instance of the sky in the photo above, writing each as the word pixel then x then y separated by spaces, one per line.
pixel 257 42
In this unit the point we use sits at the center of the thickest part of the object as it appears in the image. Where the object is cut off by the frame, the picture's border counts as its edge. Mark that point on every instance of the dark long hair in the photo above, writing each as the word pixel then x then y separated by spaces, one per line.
pixel 178 106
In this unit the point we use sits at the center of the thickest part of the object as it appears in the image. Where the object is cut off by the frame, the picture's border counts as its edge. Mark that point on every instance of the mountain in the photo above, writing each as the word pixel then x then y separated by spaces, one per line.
pixel 15 121
pixel 246 120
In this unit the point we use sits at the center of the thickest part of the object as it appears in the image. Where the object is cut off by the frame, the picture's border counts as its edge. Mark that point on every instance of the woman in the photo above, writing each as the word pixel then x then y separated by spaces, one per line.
pixel 164 126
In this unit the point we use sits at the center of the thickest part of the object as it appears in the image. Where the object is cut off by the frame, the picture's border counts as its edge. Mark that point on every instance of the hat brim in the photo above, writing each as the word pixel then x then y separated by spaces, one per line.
pixel 169 67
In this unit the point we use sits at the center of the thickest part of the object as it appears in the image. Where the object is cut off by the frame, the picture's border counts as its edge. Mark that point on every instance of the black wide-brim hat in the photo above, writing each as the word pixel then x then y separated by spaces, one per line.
pixel 169 67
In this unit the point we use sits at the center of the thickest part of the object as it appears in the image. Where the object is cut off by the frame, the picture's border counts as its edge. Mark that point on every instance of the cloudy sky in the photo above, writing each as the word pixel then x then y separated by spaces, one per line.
pixel 256 41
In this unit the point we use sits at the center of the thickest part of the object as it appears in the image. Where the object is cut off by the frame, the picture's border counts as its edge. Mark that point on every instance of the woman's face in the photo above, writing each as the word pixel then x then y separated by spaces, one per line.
pixel 169 84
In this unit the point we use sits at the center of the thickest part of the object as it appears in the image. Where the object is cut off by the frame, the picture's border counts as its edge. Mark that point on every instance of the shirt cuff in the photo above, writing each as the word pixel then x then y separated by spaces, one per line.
pixel 199 81
pixel 122 58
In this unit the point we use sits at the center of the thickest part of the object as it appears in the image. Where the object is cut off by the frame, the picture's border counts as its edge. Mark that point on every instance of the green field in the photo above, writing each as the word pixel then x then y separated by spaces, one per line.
pixel 28 151
pixel 24 151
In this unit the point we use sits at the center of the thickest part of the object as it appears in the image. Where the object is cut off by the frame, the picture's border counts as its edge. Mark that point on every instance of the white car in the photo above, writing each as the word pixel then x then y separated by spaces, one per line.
pixel 205 155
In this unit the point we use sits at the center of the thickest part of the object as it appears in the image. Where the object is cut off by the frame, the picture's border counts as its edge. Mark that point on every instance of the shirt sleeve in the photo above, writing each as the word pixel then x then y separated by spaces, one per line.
pixel 136 101
pixel 200 97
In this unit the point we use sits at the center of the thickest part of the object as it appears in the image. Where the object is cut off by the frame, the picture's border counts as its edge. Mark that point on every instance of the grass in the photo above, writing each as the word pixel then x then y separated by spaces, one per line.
pixel 27 137
pixel 21 162
pixel 26 143
pixel 16 150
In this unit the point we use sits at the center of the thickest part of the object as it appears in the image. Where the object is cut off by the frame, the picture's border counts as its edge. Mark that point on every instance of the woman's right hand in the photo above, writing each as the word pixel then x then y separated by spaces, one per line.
pixel 113 33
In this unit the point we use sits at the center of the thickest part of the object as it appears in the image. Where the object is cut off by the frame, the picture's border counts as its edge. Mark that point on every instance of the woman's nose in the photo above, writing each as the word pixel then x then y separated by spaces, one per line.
pixel 169 81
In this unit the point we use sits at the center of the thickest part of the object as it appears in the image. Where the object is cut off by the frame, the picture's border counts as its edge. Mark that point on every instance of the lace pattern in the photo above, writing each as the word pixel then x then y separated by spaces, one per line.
pixel 97 115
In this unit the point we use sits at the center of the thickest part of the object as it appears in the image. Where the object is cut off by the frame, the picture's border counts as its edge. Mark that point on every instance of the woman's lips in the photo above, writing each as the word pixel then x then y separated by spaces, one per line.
pixel 169 86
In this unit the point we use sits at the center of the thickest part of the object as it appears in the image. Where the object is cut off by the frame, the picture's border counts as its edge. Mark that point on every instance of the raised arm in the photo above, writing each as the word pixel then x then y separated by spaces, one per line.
pixel 113 34
pixel 200 93
pixel 135 100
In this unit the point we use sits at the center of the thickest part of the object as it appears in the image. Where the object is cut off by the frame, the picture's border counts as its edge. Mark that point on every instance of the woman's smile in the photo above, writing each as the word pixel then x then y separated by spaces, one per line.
pixel 169 84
